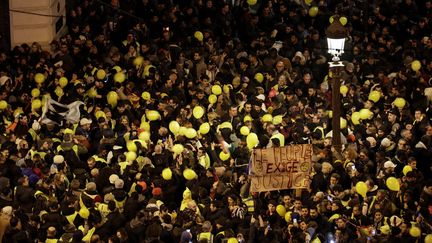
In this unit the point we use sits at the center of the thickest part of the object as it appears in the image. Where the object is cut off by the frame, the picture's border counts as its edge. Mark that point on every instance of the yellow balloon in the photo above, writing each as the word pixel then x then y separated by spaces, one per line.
pixel 343 123
pixel 399 102
pixel 259 77
pixel 117 68
pixel 198 112
pixel 267 118
pixel 361 188
pixel 92 92
pixel 244 130
pixel 224 156
pixel 119 77
pixel 167 174
pixel 374 96
pixel 280 209
pixel 138 61
pixel 144 136
pixel 63 82
pixel 251 2
pixel 406 169
pixel 308 2
pixel 189 174
pixel 145 126
pixel 212 99
pixel 343 20
pixel 177 148
pixel 288 216
pixel 153 115
pixel 393 184
pixel 174 127
pixel 36 104
pixel 313 11
pixel 428 238
pixel 112 97
pixel 100 74
pixel 226 88
pixel 58 91
pixel 39 78
pixel 365 114
pixel 131 146
pixel 277 119
pixel 355 118
pixel 84 213
pixel 416 65
pixel 415 231
pixel 131 156
pixel 199 36
pixel 99 114
pixel 216 89
pixel 204 128
pixel 343 89
pixel 331 19
pixel 182 131
pixel 330 114
pixel 146 95
pixel 191 133
pixel 226 125
pixel 35 92
pixel 252 140
pixel 3 104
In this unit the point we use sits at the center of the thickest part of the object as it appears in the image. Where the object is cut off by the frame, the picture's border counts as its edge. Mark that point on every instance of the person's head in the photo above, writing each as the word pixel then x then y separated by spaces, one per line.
pixel 378 216
pixel 297 203
pixel 313 213
pixel 341 224
pixel 304 211
pixel 233 111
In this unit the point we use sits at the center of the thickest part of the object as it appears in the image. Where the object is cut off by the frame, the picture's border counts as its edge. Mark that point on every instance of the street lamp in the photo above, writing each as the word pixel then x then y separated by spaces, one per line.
pixel 336 34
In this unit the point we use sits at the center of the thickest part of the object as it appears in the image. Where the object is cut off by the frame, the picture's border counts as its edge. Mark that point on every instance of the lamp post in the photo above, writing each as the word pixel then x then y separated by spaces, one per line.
pixel 336 34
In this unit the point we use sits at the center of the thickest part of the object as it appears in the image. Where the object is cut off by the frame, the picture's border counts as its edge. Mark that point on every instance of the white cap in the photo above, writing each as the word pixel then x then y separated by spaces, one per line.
pixel 389 164
pixel 85 121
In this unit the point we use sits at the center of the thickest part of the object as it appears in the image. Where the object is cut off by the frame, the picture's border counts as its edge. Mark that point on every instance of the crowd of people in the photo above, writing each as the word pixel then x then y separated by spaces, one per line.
pixel 171 91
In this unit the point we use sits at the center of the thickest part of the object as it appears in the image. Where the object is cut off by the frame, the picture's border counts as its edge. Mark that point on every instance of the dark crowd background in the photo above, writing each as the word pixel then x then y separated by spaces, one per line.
pixel 105 179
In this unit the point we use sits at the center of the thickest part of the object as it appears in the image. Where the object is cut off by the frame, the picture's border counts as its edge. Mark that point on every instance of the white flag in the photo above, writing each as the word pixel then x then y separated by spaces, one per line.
pixel 57 113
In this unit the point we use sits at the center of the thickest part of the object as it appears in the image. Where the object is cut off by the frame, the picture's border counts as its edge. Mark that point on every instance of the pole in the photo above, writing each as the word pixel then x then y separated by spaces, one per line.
pixel 336 107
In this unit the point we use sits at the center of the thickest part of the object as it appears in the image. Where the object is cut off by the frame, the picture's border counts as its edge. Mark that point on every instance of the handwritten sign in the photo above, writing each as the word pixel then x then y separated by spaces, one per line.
pixel 280 168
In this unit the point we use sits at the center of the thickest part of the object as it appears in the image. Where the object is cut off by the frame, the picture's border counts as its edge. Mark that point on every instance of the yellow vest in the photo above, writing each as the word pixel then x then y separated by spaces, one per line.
pixel 71 218
pixel 205 236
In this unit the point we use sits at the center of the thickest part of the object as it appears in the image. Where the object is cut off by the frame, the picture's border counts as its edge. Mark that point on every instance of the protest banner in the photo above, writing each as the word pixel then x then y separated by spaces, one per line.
pixel 280 168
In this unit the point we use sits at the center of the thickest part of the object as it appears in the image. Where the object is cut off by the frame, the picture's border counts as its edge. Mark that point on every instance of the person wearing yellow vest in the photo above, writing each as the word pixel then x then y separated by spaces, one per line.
pixel 206 234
